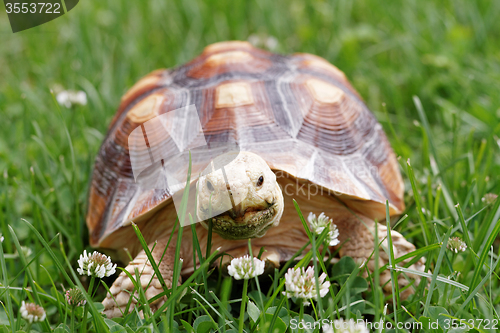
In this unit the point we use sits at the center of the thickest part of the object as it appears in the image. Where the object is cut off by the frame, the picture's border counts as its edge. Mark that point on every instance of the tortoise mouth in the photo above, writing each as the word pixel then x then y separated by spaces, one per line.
pixel 250 224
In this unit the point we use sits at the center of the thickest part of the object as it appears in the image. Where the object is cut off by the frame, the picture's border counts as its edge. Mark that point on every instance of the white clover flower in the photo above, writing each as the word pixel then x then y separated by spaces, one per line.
pixel 74 297
pixel 70 97
pixel 300 283
pixel 345 326
pixel 269 42
pixel 319 224
pixel 26 251
pixel 245 268
pixel 489 198
pixel 456 245
pixel 32 312
pixel 1 238
pixel 96 264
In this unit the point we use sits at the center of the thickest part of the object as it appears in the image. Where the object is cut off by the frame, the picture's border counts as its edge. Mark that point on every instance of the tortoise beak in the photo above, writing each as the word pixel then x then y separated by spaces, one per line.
pixel 238 211
pixel 246 224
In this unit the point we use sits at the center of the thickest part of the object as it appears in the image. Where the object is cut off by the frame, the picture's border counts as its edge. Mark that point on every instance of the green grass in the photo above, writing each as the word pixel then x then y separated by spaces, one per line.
pixel 429 70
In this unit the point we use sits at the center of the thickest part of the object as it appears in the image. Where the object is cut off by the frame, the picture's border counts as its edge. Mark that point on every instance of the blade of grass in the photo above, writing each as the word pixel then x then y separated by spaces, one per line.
pixel 376 277
pixel 59 302
pixel 435 166
pixel 223 308
pixel 150 256
pixel 416 196
pixel 212 308
pixel 330 311
pixel 29 276
pixel 392 265
pixel 13 279
pixel 182 218
pixel 178 291
pixel 275 315
pixel 9 311
pixel 195 241
pixel 146 309
pixel 74 168
pixel 475 292
pixel 465 230
pixel 436 272
pixel 102 326
pixel 484 253
pixel 197 251
pixel 417 254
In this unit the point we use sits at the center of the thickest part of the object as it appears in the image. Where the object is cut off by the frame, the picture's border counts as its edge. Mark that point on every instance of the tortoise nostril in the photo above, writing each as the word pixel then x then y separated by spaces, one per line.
pixel 210 186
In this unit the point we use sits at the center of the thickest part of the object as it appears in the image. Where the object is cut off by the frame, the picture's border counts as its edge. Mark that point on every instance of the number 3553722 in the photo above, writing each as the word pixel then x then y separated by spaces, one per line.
pixel 464 323
pixel 40 7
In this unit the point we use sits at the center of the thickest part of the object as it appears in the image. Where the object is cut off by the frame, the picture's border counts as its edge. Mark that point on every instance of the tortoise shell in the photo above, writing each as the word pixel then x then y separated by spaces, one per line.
pixel 298 112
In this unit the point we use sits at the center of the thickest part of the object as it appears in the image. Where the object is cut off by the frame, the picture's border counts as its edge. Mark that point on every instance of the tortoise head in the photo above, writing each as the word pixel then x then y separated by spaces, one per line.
pixel 241 195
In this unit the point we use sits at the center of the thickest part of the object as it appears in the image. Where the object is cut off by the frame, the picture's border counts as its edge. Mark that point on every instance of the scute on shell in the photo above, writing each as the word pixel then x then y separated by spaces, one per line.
pixel 298 112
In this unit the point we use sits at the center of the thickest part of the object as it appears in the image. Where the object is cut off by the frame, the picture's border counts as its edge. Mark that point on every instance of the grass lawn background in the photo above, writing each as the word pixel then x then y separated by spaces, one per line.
pixel 429 70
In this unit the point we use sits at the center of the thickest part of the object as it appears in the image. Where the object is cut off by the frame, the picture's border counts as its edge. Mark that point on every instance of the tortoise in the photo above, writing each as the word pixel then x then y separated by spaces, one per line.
pixel 303 133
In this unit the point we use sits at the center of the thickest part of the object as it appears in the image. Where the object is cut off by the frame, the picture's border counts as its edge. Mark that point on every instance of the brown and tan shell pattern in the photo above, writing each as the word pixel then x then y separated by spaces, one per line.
pixel 298 112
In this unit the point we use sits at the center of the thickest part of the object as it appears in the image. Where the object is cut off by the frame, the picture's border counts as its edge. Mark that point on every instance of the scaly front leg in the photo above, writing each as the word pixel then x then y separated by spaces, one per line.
pixel 123 289
pixel 360 245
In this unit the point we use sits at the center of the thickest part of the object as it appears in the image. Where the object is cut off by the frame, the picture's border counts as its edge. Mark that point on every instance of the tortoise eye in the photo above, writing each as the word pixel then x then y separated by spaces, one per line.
pixel 210 186
pixel 260 181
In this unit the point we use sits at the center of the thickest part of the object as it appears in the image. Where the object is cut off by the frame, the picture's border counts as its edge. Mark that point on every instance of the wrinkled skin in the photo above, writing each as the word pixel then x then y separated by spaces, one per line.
pixel 243 199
